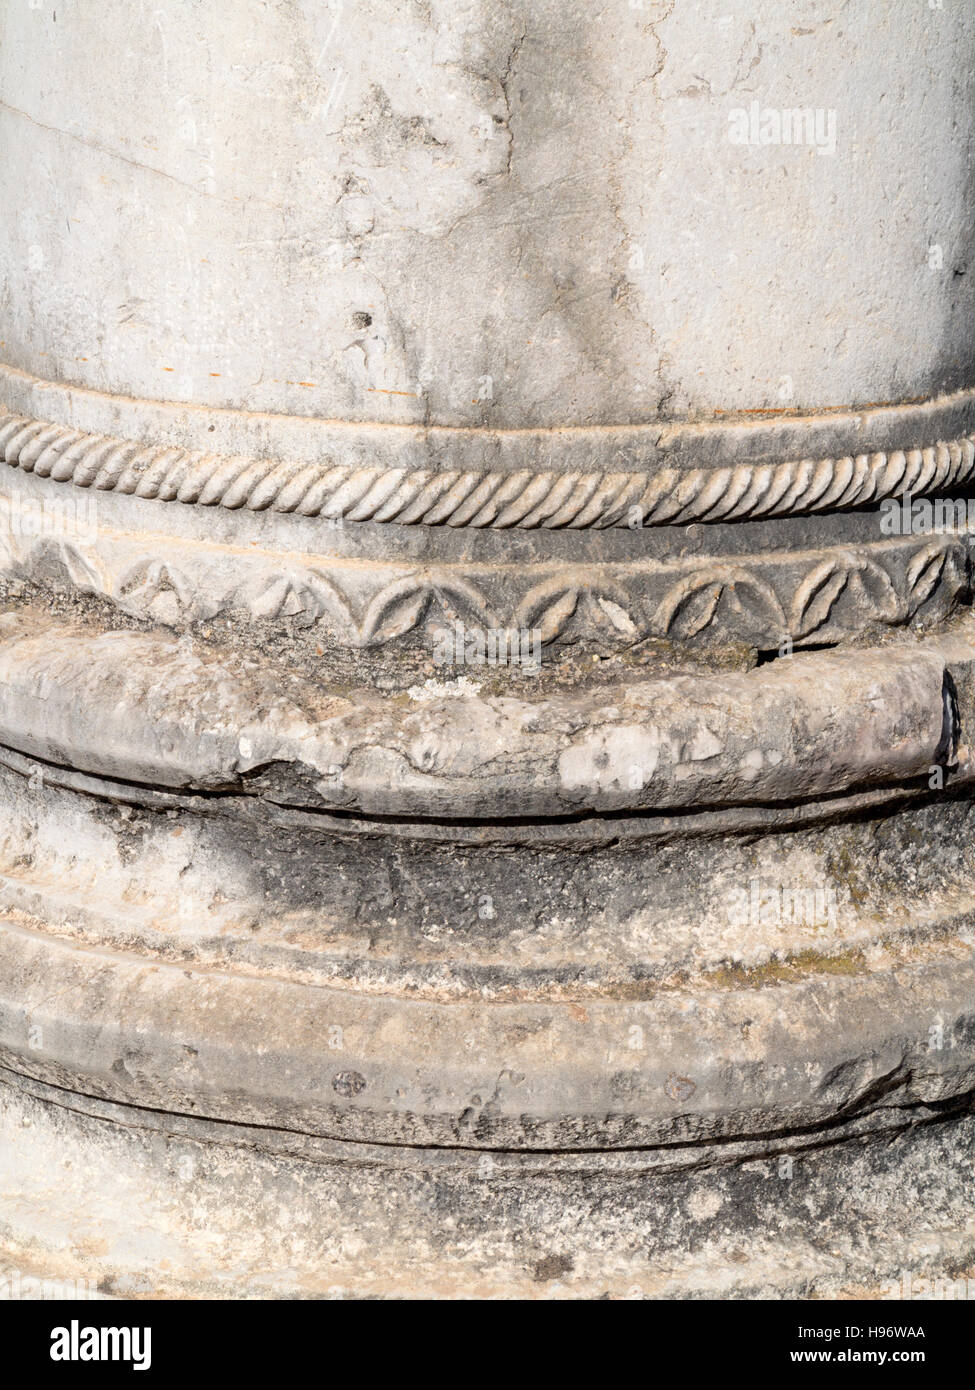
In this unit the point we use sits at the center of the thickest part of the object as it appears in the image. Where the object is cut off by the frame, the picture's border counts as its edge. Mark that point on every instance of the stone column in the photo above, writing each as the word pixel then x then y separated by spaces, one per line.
pixel 484 694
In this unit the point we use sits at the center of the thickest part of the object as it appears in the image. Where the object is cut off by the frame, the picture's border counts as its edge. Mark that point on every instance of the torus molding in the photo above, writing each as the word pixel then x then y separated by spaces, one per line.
pixel 574 478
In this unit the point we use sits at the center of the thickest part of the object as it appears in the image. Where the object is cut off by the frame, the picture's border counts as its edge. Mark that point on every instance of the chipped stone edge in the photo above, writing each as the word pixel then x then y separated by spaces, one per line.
pixel 810 726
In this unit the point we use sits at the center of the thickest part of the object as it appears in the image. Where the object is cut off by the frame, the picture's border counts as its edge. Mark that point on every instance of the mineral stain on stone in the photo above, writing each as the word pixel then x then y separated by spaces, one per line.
pixel 348 1084
pixel 552 1267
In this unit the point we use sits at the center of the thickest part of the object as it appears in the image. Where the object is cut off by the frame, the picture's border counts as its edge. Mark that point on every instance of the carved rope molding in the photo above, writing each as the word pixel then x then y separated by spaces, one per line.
pixel 480 498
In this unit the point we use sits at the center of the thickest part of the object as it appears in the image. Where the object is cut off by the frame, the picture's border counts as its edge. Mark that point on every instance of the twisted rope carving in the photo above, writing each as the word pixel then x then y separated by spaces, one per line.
pixel 523 499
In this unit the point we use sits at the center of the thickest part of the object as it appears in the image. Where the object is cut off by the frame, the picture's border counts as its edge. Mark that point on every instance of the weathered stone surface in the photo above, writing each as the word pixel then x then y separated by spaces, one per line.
pixel 342 344
pixel 362 212
pixel 834 722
